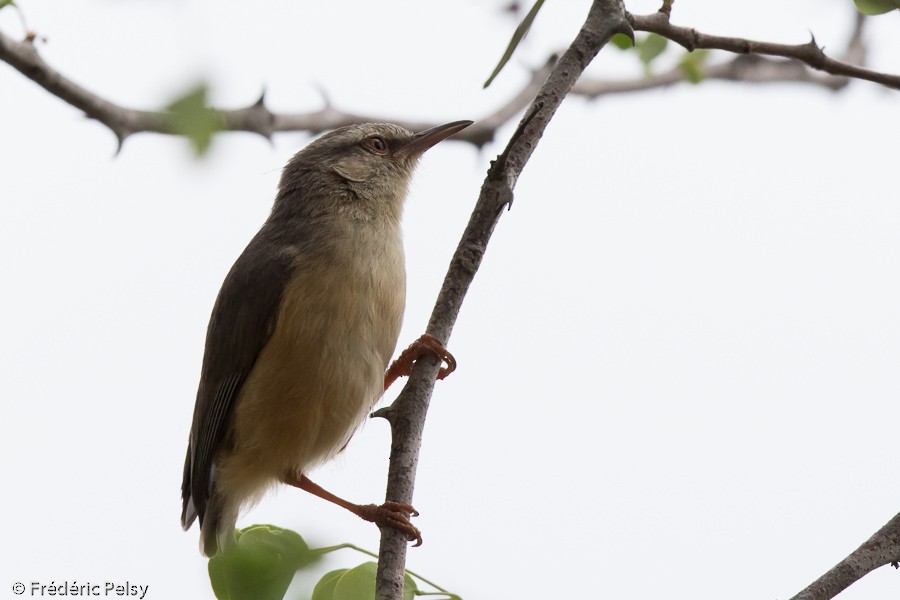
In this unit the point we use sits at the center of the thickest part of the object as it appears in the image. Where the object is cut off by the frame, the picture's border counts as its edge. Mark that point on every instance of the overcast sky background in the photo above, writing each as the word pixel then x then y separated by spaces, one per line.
pixel 678 364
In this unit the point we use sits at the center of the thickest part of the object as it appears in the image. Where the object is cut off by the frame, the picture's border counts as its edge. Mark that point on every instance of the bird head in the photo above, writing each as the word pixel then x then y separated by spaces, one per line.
pixel 367 165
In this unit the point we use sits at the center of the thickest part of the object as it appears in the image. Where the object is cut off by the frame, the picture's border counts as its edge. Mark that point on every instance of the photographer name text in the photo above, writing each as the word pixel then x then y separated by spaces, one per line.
pixel 77 588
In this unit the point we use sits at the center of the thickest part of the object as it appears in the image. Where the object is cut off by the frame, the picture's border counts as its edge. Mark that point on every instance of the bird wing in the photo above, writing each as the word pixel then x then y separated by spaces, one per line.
pixel 241 324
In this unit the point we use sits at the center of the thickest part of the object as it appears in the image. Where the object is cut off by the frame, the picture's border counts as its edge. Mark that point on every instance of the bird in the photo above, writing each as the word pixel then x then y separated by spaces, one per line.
pixel 303 330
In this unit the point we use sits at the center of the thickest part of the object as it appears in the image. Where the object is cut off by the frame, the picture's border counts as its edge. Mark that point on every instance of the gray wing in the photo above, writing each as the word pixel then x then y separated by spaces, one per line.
pixel 240 326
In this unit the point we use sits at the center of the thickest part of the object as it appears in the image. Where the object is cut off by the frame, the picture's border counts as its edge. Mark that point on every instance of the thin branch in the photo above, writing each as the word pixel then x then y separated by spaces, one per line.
pixel 407 413
pixel 881 549
pixel 25 58
pixel 744 68
pixel 809 53
pixel 256 118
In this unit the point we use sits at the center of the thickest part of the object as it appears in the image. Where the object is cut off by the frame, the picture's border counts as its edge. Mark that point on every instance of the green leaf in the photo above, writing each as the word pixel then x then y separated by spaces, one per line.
pixel 621 41
pixel 409 587
pixel 876 7
pixel 324 590
pixel 517 37
pixel 692 64
pixel 5 3
pixel 357 583
pixel 651 47
pixel 260 564
pixel 191 116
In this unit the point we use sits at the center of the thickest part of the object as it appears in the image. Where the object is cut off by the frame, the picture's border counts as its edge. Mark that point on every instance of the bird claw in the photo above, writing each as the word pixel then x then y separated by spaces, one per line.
pixel 426 344
pixel 394 515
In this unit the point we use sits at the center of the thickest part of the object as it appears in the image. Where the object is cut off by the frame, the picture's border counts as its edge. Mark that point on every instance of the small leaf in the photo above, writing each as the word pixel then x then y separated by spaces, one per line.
pixel 324 590
pixel 357 583
pixel 621 41
pixel 651 47
pixel 5 3
pixel 409 587
pixel 517 37
pixel 260 564
pixel 692 63
pixel 876 7
pixel 191 116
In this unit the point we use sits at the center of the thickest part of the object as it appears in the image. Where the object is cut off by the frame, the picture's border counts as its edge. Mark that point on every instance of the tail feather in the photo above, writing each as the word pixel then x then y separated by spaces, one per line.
pixel 188 514
pixel 188 510
pixel 217 516
pixel 217 527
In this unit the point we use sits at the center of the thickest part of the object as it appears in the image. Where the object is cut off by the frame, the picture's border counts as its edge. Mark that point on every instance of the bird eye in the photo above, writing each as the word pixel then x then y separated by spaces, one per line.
pixel 376 144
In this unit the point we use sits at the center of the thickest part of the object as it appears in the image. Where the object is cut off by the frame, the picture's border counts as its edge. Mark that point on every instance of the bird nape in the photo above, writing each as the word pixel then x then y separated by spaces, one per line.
pixel 303 329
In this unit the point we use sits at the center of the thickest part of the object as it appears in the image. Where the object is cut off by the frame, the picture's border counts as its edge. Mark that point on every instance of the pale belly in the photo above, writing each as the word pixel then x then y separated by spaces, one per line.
pixel 315 380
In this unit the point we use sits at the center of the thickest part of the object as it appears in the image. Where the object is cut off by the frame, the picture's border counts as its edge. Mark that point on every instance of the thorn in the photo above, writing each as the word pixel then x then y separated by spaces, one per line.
pixel 262 99
pixel 628 32
pixel 385 413
pixel 481 136
pixel 666 8
pixel 120 141
pixel 627 28
pixel 812 40
pixel 324 93
pixel 500 163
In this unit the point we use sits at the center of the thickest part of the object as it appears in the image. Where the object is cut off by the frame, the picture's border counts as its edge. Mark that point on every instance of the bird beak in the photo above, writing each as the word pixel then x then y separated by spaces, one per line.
pixel 422 141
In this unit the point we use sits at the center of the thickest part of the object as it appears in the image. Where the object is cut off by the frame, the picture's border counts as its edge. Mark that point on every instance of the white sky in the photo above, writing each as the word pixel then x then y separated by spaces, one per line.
pixel 678 364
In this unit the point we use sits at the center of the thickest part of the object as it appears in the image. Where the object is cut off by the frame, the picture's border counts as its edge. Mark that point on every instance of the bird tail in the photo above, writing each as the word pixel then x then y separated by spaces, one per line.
pixel 216 519
pixel 217 526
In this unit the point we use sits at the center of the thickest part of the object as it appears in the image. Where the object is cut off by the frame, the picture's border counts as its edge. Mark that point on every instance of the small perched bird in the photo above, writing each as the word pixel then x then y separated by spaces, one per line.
pixel 303 329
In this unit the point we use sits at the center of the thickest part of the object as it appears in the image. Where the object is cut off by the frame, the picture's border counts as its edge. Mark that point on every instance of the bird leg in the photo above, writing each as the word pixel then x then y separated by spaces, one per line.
pixel 427 344
pixel 390 514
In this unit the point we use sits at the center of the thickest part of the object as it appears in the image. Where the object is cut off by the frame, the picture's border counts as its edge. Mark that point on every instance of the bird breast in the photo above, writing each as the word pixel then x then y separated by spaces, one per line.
pixel 323 367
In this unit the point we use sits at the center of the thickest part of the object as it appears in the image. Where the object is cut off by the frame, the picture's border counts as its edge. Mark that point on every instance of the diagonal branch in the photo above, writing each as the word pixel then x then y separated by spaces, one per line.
pixel 407 413
pixel 809 53
pixel 256 118
pixel 122 121
pixel 881 549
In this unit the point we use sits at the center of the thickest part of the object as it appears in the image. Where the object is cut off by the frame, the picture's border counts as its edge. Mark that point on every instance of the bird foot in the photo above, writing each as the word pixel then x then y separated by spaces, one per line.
pixel 425 345
pixel 394 515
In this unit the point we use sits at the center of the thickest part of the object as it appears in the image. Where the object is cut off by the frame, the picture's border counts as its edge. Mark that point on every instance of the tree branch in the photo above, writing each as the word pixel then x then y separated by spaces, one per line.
pixel 256 118
pixel 808 53
pixel 881 549
pixel 407 413
pixel 122 121
pixel 744 68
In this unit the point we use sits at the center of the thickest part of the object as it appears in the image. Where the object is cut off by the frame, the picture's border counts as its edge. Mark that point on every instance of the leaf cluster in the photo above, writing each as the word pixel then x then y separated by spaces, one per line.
pixel 264 559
